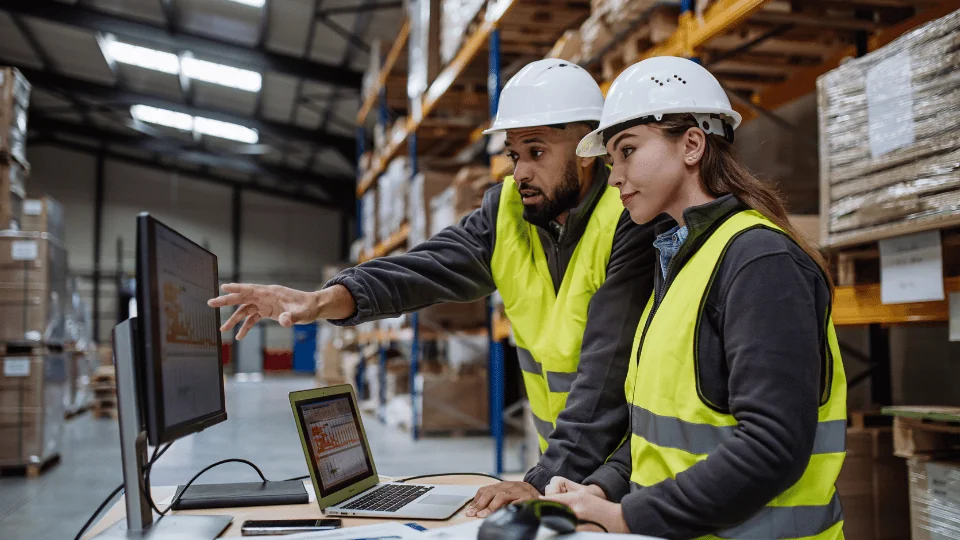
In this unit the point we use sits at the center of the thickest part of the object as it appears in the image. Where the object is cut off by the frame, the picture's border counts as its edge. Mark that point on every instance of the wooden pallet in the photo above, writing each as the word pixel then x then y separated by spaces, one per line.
pixel 925 432
pixel 30 470
pixel 104 386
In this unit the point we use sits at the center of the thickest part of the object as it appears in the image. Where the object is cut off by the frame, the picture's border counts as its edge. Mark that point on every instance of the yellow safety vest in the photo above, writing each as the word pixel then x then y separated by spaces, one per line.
pixel 673 428
pixel 549 325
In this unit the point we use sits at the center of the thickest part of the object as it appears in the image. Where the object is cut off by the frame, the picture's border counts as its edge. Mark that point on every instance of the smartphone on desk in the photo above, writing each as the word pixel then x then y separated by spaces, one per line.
pixel 278 527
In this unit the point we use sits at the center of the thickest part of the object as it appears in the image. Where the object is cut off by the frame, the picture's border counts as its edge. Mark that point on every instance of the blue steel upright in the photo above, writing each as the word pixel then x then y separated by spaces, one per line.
pixel 495 370
pixel 415 319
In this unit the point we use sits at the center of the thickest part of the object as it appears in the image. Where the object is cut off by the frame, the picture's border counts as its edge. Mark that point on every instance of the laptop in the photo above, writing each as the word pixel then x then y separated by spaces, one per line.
pixel 342 469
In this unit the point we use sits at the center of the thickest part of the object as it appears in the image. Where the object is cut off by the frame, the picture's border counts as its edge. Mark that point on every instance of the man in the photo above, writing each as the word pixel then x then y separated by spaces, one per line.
pixel 573 269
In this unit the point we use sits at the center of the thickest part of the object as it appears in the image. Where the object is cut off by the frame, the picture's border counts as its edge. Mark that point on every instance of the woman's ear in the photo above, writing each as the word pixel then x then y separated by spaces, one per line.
pixel 694 144
pixel 586 162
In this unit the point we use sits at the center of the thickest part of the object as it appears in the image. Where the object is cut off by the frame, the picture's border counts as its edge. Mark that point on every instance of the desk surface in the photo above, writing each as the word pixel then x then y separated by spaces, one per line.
pixel 288 511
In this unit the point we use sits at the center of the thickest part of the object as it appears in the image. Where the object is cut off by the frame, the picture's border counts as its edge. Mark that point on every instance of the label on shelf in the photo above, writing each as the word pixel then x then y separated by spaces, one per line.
pixel 911 268
pixel 25 250
pixel 32 207
pixel 16 367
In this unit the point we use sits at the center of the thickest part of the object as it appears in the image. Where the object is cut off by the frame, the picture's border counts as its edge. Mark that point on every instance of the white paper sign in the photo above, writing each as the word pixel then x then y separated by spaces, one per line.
pixel 889 91
pixel 25 250
pixel 911 268
pixel 954 316
pixel 16 367
pixel 943 482
pixel 32 207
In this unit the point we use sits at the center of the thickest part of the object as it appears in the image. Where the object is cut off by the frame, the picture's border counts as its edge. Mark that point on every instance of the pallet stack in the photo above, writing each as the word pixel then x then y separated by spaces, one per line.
pixel 889 162
pixel 104 386
pixel 929 438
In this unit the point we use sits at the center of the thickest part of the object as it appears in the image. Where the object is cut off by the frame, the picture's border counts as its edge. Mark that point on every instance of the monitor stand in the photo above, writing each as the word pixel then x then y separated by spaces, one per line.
pixel 133 452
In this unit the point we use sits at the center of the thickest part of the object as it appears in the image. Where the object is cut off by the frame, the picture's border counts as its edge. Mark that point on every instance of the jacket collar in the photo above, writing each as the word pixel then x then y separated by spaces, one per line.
pixel 704 218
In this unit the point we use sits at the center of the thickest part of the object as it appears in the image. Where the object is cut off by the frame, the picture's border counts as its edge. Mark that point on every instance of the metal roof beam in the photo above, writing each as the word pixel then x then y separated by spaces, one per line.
pixel 188 173
pixel 212 49
pixel 187 152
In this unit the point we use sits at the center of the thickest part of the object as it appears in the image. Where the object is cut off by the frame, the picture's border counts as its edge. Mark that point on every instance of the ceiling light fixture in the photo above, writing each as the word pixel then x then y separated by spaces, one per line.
pixel 225 130
pixel 163 117
pixel 193 68
pixel 201 70
pixel 196 124
pixel 252 3
pixel 143 57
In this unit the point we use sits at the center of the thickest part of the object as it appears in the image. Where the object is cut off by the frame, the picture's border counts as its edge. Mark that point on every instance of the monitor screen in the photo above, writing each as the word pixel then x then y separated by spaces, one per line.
pixel 334 435
pixel 181 337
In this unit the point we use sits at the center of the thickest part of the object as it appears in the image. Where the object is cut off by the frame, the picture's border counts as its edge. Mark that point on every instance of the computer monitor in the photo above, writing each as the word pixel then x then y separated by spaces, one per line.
pixel 168 370
pixel 179 338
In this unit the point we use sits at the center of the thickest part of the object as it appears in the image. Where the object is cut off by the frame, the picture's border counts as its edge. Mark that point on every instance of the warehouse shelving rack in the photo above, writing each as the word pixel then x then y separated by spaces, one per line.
pixel 750 24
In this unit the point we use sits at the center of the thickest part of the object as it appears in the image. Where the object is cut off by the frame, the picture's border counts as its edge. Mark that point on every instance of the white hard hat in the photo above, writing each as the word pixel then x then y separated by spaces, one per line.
pixel 658 86
pixel 548 92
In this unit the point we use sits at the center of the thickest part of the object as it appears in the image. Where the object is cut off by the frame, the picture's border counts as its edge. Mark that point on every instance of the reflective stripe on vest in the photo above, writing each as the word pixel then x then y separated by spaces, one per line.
pixel 669 432
pixel 548 324
pixel 673 428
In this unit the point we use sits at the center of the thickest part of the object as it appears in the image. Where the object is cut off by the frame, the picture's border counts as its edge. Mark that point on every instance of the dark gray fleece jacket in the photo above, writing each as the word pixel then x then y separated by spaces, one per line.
pixel 454 266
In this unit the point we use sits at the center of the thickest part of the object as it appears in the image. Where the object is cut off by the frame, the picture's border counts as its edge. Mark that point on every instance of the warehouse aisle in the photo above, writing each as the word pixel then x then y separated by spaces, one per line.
pixel 259 428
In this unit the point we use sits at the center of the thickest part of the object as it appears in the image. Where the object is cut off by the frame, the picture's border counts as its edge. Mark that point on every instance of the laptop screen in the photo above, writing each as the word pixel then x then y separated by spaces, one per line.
pixel 334 435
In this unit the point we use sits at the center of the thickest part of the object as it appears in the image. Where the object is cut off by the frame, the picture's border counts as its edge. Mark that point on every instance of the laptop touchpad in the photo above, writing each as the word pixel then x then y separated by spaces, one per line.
pixel 443 500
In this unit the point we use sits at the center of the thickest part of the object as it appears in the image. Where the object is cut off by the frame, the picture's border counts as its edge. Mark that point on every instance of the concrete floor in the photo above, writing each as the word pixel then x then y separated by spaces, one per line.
pixel 259 428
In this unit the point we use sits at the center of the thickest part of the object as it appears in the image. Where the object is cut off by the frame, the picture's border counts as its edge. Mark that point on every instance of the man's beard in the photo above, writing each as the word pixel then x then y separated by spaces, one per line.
pixel 565 197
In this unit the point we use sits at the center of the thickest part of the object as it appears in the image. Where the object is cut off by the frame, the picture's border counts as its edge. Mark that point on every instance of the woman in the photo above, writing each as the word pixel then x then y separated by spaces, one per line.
pixel 737 392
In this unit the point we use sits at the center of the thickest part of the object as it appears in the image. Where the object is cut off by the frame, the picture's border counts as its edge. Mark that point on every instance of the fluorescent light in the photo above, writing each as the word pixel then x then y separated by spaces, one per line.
pixel 253 3
pixel 242 79
pixel 162 117
pixel 225 130
pixel 143 57
pixel 198 124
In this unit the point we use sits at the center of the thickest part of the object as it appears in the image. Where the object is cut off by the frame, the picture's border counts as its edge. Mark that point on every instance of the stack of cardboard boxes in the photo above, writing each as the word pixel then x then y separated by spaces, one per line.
pixel 33 297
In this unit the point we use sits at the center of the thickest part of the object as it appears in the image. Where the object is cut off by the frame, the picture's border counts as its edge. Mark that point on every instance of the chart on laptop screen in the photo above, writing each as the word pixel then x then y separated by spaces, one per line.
pixel 335 437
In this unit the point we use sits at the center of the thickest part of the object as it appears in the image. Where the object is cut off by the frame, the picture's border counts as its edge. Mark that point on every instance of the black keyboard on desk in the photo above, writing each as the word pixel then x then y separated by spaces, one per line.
pixel 388 498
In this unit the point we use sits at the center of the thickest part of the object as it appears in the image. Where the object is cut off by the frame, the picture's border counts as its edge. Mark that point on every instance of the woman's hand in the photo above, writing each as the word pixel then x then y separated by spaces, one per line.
pixel 559 484
pixel 589 507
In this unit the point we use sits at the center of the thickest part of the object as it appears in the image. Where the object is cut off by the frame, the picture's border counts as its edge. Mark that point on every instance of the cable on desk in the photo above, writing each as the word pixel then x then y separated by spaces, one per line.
pixel 294 479
pixel 422 476
pixel 154 458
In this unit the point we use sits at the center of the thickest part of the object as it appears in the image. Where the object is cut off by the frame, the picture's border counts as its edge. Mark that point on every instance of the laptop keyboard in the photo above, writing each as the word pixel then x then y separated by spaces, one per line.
pixel 388 498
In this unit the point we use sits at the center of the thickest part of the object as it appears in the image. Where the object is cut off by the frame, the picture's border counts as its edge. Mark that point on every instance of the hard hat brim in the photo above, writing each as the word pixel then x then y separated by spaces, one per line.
pixel 592 145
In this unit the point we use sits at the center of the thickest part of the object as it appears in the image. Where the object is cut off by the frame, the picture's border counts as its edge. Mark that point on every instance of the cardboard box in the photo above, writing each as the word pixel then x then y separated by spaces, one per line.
pixel 455 401
pixel 12 193
pixel 31 408
pixel 568 47
pixel 44 215
pixel 872 487
pixel 424 187
pixel 14 105
pixel 33 288
pixel 471 183
pixel 934 499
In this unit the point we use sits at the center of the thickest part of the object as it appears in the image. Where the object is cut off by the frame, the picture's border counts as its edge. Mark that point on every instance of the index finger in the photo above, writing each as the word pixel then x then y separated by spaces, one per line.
pixel 485 495
pixel 232 299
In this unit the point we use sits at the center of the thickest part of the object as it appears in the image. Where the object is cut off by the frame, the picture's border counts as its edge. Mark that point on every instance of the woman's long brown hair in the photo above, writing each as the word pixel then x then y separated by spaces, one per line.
pixel 721 173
